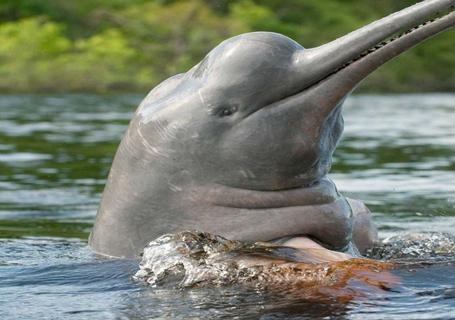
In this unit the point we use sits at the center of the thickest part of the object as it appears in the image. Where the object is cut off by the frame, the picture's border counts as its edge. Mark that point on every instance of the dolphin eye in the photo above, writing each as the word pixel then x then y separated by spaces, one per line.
pixel 224 111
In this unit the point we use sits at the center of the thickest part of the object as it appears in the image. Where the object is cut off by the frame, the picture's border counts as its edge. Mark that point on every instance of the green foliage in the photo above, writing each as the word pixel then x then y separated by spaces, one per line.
pixel 28 47
pixel 102 62
pixel 36 56
pixel 112 45
pixel 171 38
pixel 259 18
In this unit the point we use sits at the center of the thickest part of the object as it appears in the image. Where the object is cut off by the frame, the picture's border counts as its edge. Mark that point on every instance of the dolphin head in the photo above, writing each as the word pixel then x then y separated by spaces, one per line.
pixel 230 121
pixel 268 109
pixel 240 145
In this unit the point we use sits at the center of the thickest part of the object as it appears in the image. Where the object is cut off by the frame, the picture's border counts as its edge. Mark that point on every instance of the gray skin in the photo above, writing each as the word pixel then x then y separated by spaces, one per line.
pixel 241 144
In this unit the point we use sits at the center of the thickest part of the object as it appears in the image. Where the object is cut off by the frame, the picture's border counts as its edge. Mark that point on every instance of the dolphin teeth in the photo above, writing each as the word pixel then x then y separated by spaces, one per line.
pixel 386 42
pixel 391 39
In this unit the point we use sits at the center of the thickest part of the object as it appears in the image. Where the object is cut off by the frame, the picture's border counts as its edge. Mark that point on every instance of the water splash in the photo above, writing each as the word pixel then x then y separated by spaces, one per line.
pixel 416 247
pixel 196 259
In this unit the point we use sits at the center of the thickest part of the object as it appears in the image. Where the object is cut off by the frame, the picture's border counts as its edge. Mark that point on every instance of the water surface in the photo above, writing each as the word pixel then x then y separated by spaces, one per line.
pixel 397 154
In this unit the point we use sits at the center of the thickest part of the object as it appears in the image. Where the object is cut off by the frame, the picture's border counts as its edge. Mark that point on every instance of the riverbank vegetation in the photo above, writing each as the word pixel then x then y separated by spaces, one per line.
pixel 131 45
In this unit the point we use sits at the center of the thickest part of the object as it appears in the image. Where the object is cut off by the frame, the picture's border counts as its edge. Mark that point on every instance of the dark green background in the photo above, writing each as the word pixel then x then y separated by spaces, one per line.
pixel 131 45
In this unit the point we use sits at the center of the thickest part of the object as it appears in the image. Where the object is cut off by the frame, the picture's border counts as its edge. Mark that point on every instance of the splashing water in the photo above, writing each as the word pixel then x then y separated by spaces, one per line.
pixel 195 259
pixel 416 247
pixel 198 259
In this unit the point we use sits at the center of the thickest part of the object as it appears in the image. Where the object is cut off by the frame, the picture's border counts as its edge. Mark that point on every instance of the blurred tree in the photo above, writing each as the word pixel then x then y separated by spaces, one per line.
pixel 102 62
pixel 27 46
pixel 104 45
pixel 171 38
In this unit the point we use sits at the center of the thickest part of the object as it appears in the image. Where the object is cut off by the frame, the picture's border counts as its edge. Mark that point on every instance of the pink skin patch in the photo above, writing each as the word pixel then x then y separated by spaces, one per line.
pixel 319 252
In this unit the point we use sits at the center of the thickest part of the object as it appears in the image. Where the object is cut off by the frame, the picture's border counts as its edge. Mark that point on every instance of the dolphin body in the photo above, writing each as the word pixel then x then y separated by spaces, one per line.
pixel 241 144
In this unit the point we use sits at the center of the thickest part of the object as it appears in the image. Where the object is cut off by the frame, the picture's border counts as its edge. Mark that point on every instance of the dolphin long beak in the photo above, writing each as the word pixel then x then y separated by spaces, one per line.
pixel 332 70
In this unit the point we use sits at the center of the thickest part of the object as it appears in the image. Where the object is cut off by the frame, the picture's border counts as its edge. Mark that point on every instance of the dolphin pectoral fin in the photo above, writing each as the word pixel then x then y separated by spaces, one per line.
pixel 306 251
pixel 364 232
pixel 315 250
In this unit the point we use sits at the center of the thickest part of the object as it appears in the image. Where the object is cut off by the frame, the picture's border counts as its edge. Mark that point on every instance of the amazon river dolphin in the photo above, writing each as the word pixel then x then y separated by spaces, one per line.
pixel 241 144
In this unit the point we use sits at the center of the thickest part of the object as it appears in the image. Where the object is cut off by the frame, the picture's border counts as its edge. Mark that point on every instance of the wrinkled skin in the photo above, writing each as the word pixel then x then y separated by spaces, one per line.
pixel 241 144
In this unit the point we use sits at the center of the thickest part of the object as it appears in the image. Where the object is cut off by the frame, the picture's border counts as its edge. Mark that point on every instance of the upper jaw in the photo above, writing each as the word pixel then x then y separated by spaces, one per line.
pixel 331 71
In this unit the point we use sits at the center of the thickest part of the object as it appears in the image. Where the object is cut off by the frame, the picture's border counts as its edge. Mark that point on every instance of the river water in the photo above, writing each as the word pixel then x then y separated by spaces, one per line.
pixel 397 154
